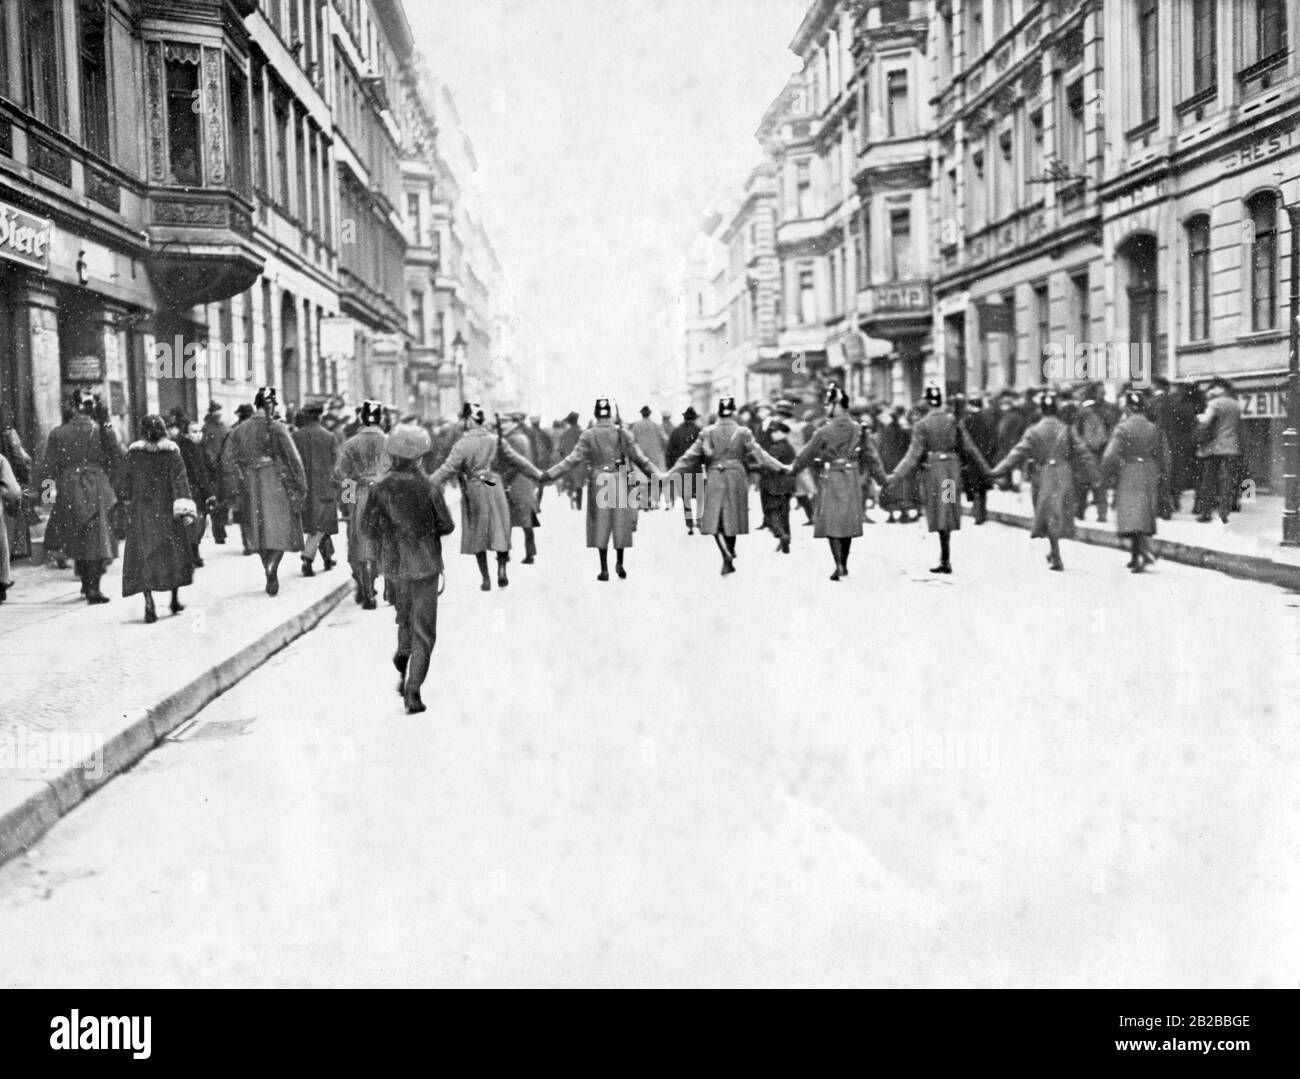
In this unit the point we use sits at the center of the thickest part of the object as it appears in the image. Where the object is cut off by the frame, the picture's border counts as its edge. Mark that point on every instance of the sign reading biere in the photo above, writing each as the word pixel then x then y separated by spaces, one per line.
pixel 24 237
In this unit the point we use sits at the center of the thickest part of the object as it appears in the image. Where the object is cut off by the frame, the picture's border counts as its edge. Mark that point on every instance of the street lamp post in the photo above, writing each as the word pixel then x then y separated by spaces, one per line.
pixel 458 348
pixel 1290 436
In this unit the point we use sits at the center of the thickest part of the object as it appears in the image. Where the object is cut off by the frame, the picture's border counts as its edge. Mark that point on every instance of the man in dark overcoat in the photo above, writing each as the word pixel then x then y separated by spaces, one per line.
pixel 319 450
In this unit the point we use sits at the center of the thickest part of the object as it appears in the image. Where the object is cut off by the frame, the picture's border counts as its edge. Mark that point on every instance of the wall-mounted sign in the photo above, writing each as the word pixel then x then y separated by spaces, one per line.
pixel 1263 404
pixel 338 337
pixel 25 238
pixel 83 369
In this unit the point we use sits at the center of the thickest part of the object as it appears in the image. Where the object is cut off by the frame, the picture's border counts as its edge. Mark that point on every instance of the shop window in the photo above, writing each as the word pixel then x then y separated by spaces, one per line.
pixel 1262 210
pixel 44 61
pixel 184 114
pixel 91 16
pixel 1198 278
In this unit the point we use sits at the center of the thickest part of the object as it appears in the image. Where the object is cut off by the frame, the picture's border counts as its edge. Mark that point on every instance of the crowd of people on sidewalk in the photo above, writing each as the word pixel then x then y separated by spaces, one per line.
pixel 287 487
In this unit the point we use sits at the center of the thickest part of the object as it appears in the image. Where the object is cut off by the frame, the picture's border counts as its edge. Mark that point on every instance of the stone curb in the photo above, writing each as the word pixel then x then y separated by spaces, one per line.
pixel 1247 567
pixel 23 824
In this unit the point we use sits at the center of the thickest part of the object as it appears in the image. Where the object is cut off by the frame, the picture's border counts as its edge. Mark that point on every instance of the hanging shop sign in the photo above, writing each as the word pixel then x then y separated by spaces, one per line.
pixel 25 238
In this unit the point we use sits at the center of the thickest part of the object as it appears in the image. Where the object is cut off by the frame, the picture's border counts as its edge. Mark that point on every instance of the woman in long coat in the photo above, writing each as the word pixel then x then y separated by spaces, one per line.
pixel 1136 461
pixel 602 452
pixel 198 473
pixel 362 462
pixel 726 449
pixel 262 463
pixel 157 495
pixel 81 458
pixel 477 460
pixel 10 502
pixel 1058 453
pixel 940 442
pixel 842 452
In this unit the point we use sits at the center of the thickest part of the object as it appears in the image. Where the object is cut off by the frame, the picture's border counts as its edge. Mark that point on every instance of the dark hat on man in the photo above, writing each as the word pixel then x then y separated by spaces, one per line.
pixel 1221 383
pixel 266 398
pixel 1048 402
pixel 726 406
pixel 244 412
pixel 1135 401
pixel 313 410
pixel 572 417
pixel 645 411
pixel 408 441
pixel 214 407
pixel 603 409
pixel 784 407
pixel 690 414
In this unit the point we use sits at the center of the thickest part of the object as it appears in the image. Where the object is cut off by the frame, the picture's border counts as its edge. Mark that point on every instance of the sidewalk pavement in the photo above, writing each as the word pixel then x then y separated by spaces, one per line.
pixel 85 692
pixel 1248 546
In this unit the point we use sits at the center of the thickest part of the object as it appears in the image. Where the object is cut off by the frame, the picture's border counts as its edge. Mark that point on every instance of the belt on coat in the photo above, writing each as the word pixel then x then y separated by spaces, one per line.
pixel 840 464
pixel 731 464
pixel 612 467
pixel 484 475
pixel 933 456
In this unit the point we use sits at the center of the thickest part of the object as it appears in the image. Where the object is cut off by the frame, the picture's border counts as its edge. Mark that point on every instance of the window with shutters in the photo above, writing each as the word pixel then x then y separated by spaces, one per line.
pixel 1148 59
pixel 93 54
pixel 1203 45
pixel 1198 278
pixel 1263 261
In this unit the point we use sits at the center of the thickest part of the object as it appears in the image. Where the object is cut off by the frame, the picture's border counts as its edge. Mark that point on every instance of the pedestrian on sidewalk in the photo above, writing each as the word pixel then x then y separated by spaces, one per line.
pixel 406 518
pixel 1057 453
pixel 262 463
pixel 648 434
pixel 18 526
pixel 213 441
pixel 941 444
pixel 189 439
pixel 1219 451
pixel 565 441
pixel 1093 423
pixel 81 457
pixel 775 488
pixel 893 441
pixel 684 434
pixel 602 452
pixel 983 431
pixel 361 464
pixel 1137 462
pixel 159 512
pixel 319 451
pixel 1011 426
pixel 841 452
pixel 523 494
pixel 476 461
pixel 11 496
pixel 726 449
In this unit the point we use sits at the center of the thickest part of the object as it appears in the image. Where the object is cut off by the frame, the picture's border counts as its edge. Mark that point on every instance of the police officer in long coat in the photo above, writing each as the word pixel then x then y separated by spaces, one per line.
pixel 262 463
pixel 939 442
pixel 603 452
pixel 840 451
pixel 361 463
pixel 477 460
pixel 82 458
pixel 1137 462
pixel 522 493
pixel 725 449
pixel 1058 454
pixel 406 518
pixel 319 451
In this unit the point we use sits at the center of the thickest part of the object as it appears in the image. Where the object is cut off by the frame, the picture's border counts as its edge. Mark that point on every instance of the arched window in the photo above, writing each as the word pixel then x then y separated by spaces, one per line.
pixel 1262 209
pixel 1198 277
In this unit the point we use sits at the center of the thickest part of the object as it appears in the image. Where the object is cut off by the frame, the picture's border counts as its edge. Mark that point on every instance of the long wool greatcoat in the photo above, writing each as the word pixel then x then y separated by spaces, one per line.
pixel 319 451
pixel 934 444
pixel 1135 460
pixel 157 556
pixel 521 492
pixel 17 523
pixel 725 449
pixel 361 463
pixel 1058 453
pixel 611 507
pixel 893 442
pixel 81 458
pixel 261 462
pixel 476 461
pixel 841 452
